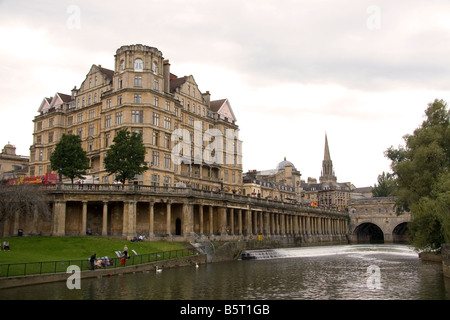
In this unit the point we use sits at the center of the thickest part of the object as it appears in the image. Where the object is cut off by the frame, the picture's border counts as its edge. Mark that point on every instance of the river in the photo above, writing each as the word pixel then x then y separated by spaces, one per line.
pixel 345 272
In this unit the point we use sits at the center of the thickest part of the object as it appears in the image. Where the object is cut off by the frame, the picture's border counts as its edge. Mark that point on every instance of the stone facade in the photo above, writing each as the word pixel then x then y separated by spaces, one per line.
pixel 177 214
pixel 12 166
pixel 142 95
pixel 371 215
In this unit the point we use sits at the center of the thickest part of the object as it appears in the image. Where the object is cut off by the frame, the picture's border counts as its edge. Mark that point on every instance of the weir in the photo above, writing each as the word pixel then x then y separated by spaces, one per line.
pixel 315 251
pixel 260 254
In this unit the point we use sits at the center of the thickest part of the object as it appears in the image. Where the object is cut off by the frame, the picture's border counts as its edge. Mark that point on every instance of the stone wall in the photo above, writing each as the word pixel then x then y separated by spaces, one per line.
pixel 61 276
pixel 445 252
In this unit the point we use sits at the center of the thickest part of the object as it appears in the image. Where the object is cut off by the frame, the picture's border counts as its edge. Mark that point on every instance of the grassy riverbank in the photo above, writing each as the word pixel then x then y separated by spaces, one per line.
pixel 37 248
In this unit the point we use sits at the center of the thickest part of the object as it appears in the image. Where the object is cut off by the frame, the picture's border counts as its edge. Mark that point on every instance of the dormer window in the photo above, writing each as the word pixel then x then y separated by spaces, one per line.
pixel 138 65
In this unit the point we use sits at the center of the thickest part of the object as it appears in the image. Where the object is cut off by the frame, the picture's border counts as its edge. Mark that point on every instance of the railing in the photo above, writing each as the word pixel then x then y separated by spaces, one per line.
pixel 31 268
pixel 186 191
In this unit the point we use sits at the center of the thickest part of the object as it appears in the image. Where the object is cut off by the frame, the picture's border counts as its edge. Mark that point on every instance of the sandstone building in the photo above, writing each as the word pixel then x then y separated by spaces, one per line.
pixel 284 184
pixel 142 95
pixel 12 166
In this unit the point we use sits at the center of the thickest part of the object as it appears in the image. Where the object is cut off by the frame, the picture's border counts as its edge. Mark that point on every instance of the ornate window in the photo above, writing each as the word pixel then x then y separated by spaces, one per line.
pixel 138 65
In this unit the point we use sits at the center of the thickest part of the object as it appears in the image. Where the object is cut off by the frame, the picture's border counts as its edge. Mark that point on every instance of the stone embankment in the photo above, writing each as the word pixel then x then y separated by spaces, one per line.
pixel 445 252
pixel 99 273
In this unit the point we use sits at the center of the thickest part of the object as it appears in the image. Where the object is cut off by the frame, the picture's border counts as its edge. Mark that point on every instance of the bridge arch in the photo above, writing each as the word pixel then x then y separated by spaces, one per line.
pixel 368 232
pixel 400 234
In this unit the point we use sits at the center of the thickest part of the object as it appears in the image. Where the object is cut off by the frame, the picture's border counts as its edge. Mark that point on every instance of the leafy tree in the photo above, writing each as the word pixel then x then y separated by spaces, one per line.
pixel 421 171
pixel 126 157
pixel 69 158
pixel 385 185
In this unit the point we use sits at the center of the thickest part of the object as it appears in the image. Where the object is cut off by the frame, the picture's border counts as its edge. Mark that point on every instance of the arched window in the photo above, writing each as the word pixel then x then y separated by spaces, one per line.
pixel 155 67
pixel 138 65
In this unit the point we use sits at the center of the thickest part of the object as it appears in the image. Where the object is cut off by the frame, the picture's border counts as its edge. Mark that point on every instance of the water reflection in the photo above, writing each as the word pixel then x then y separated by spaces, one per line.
pixel 338 272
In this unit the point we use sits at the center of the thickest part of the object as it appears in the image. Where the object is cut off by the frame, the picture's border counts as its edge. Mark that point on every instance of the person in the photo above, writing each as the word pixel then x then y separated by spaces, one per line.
pixel 125 251
pixel 93 260
pixel 99 263
pixel 5 245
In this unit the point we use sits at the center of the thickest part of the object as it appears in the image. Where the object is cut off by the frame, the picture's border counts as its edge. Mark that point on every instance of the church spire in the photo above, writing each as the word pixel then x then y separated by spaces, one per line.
pixel 327 165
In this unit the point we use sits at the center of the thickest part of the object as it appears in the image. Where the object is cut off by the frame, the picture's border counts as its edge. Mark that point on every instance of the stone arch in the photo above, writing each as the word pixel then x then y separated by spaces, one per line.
pixel 400 234
pixel 368 232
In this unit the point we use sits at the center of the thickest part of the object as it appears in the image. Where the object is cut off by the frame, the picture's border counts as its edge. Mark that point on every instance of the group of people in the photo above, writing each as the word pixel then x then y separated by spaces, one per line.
pixel 5 245
pixel 140 238
pixel 103 262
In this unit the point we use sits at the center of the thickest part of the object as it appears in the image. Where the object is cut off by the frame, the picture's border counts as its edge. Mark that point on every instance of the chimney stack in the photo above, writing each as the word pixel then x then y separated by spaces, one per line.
pixel 166 74
pixel 207 98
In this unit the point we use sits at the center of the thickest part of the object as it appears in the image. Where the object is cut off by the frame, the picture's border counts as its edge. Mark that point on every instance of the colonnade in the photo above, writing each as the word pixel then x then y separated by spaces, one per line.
pixel 181 217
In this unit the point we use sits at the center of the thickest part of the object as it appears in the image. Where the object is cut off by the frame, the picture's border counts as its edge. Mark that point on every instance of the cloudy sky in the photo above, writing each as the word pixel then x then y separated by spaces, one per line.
pixel 361 71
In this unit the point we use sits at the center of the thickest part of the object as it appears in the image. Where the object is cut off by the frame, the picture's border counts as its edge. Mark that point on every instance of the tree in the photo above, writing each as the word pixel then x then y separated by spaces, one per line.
pixel 421 171
pixel 126 157
pixel 69 158
pixel 385 185
pixel 25 200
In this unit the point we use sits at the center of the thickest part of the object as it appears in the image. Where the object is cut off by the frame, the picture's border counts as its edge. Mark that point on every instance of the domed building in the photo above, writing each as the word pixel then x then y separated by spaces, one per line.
pixel 281 183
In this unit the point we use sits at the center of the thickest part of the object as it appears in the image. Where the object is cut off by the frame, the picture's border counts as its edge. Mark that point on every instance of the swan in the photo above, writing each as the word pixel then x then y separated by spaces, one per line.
pixel 196 265
pixel 157 269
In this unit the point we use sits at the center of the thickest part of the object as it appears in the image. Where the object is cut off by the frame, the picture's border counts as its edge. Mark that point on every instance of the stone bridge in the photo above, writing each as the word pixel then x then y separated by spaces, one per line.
pixel 374 220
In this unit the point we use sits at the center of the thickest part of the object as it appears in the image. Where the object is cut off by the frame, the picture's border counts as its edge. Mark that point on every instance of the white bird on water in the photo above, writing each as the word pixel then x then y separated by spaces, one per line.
pixel 158 270
pixel 196 265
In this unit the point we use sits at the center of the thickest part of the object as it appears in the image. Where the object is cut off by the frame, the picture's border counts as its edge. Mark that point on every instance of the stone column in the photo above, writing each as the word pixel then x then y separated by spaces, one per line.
pixel 249 222
pixel 200 213
pixel 211 224
pixel 223 220
pixel 232 221
pixel 105 219
pixel 188 219
pixel 84 218
pixel 129 219
pixel 240 221
pixel 168 218
pixel 151 222
pixel 59 218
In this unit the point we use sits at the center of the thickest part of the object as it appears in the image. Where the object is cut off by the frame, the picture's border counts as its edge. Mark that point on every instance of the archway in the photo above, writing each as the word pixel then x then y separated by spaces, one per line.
pixel 368 233
pixel 400 234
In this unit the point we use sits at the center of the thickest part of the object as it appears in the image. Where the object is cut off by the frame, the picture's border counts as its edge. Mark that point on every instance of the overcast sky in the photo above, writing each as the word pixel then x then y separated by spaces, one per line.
pixel 361 71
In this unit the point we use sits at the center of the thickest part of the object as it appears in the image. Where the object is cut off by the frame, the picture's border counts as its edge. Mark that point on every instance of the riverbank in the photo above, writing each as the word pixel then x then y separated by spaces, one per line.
pixel 18 281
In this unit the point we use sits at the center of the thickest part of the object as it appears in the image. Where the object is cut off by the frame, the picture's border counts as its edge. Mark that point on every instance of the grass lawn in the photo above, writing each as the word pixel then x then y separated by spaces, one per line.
pixel 39 248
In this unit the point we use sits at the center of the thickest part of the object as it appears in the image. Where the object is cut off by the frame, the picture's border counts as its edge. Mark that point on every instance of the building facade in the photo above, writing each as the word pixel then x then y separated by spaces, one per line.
pixel 12 166
pixel 190 140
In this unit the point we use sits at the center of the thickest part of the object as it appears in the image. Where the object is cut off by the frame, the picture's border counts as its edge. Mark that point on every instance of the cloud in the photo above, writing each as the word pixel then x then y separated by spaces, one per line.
pixel 362 71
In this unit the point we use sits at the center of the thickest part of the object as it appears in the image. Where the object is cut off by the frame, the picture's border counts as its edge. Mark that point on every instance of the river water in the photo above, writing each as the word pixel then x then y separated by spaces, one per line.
pixel 347 272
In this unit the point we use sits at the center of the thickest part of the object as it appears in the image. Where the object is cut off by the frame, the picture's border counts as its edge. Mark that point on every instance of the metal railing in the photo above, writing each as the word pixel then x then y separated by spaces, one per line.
pixel 32 268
